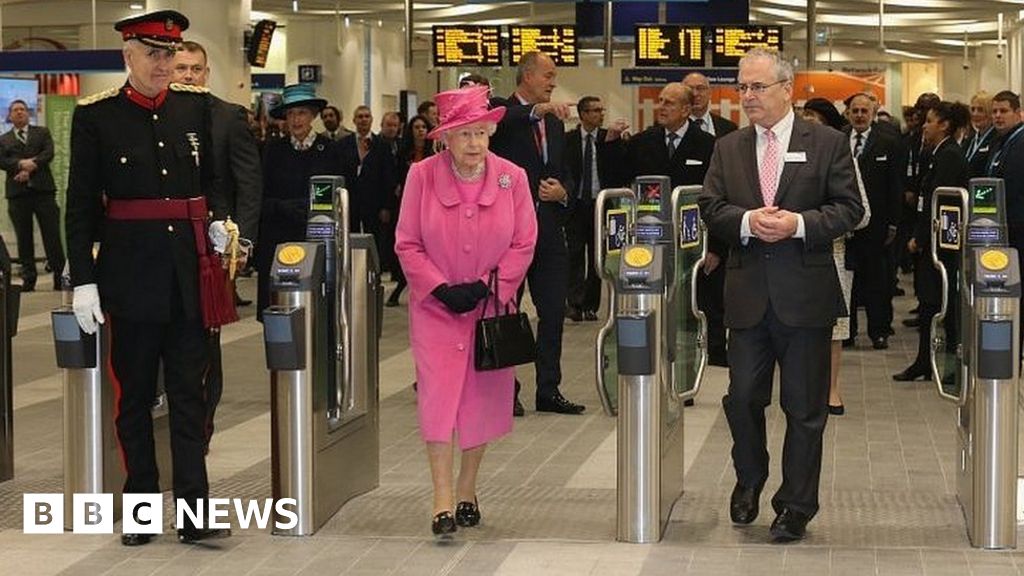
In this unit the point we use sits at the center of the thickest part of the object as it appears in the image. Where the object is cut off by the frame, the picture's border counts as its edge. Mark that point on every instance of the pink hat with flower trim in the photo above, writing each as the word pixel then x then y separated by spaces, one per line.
pixel 462 107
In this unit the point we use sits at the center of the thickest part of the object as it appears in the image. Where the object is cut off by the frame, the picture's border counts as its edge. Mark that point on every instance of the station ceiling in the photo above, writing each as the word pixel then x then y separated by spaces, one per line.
pixel 932 28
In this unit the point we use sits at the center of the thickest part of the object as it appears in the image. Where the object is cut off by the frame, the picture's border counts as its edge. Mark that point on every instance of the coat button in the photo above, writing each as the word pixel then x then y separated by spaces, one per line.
pixel 170 228
pixel 124 160
pixel 466 248
pixel 164 171
pixel 461 347
pixel 160 144
pixel 155 117
pixel 469 212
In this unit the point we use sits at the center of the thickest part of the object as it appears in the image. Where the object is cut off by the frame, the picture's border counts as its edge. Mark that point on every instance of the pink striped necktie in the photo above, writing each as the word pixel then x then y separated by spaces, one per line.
pixel 769 169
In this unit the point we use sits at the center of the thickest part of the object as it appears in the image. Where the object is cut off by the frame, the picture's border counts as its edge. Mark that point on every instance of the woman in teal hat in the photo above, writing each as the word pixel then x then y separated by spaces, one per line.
pixel 287 165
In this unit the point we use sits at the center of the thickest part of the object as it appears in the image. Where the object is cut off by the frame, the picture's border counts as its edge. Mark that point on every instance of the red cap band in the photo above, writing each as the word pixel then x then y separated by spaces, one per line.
pixel 167 30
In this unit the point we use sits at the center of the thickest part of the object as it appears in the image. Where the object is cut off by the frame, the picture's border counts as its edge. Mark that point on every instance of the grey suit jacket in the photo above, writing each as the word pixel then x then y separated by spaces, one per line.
pixel 38 145
pixel 795 277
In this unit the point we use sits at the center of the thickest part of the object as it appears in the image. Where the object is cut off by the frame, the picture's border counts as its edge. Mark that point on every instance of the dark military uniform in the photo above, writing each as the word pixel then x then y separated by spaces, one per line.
pixel 126 146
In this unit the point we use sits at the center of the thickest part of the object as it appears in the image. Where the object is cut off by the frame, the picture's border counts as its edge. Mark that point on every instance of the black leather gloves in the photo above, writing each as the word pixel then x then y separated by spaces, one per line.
pixel 461 297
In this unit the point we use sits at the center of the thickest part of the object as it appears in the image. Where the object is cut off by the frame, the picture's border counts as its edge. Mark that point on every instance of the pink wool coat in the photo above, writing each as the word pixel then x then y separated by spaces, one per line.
pixel 440 239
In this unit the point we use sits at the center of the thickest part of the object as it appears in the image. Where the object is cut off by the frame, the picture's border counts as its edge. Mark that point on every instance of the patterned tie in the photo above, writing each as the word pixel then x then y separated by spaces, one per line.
pixel 769 171
pixel 21 135
pixel 672 137
pixel 858 145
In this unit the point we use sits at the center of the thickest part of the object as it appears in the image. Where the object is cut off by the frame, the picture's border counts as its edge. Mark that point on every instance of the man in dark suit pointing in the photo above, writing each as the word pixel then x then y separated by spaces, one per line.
pixel 779 192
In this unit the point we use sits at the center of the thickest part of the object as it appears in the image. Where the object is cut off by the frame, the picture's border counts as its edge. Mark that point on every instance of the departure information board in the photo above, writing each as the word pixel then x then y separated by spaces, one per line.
pixel 732 42
pixel 668 45
pixel 557 41
pixel 467 46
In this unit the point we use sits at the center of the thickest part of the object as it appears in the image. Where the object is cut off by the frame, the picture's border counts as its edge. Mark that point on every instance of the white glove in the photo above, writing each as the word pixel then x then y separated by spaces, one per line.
pixel 219 236
pixel 86 303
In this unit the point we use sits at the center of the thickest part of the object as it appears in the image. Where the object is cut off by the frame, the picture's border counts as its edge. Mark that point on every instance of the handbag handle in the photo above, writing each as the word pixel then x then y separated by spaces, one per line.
pixel 492 285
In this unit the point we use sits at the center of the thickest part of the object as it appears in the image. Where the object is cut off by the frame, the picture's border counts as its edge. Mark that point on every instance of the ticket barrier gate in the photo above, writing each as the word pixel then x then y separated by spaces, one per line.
pixel 92 458
pixel 9 304
pixel 648 251
pixel 975 352
pixel 322 335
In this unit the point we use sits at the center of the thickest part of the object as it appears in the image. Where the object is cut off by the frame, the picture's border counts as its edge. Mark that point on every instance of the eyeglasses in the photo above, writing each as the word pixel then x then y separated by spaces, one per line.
pixel 756 87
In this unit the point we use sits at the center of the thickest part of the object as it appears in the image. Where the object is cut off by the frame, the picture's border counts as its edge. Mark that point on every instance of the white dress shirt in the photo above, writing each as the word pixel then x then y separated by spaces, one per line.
pixel 863 141
pixel 783 130
pixel 305 143
pixel 706 123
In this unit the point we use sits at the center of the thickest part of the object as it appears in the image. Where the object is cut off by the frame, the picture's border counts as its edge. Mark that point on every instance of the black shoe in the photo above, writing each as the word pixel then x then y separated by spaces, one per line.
pixel 57 281
pixel 590 316
pixel 135 539
pixel 518 410
pixel 789 525
pixel 557 403
pixel 574 314
pixel 443 525
pixel 688 402
pixel 744 504
pixel 836 410
pixel 912 322
pixel 391 303
pixel 911 374
pixel 194 535
pixel 28 285
pixel 467 514
pixel 718 359
pixel 849 343
pixel 880 343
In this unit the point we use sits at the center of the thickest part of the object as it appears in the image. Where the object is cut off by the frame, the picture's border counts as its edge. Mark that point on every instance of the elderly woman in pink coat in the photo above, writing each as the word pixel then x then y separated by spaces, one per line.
pixel 465 212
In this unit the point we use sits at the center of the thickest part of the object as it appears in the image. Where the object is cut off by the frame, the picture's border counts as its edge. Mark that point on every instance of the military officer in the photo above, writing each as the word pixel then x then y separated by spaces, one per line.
pixel 140 176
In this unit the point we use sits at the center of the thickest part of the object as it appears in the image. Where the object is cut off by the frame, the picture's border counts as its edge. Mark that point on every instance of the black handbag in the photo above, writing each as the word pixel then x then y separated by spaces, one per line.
pixel 503 340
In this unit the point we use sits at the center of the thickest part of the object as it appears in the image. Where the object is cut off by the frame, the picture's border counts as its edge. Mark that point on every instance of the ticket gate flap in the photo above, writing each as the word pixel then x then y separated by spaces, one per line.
pixel 75 349
pixel 284 337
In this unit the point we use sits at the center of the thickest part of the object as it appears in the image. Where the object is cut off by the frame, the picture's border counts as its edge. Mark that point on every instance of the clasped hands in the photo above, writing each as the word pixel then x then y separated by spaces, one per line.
pixel 772 224
pixel 460 298
pixel 25 169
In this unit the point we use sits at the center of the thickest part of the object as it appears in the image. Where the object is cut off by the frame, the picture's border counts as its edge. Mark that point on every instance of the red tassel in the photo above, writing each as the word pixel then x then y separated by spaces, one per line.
pixel 215 295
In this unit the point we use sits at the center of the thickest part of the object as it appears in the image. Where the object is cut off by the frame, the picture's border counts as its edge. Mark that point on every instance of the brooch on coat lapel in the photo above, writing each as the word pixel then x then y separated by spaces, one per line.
pixel 504 181
pixel 193 140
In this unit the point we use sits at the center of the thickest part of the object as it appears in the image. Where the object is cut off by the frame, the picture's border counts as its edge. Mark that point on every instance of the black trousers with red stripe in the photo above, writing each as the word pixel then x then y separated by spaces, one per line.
pixel 137 349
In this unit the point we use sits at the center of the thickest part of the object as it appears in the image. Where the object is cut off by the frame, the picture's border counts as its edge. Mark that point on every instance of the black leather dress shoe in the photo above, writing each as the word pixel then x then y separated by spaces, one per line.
pixel 911 374
pixel 28 285
pixel 518 410
pixel 574 314
pixel 557 403
pixel 836 410
pixel 194 535
pixel 880 343
pixel 789 525
pixel 443 525
pixel 911 322
pixel 467 514
pixel 590 316
pixel 135 539
pixel 744 504
pixel 718 359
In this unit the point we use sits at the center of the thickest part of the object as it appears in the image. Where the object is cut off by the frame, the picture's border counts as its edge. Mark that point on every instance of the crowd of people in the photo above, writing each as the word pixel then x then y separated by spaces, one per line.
pixel 479 196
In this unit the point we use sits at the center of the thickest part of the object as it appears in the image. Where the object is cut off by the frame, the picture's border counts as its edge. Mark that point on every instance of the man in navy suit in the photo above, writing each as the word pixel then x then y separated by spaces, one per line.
pixel 371 177
pixel 779 192
pixel 532 135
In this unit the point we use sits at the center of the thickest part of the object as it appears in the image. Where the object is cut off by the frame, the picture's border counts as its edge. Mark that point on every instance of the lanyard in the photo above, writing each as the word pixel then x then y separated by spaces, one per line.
pixel 1006 144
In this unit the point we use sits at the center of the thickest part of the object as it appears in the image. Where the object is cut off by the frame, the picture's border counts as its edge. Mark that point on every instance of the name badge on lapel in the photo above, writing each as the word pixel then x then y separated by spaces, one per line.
pixel 796 157
pixel 693 162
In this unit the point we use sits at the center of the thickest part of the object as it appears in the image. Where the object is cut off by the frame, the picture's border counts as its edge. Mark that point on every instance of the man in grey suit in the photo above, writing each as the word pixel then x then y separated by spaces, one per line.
pixel 25 154
pixel 779 192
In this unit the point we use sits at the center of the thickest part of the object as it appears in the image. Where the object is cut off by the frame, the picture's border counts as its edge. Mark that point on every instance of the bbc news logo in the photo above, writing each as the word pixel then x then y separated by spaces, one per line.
pixel 144 513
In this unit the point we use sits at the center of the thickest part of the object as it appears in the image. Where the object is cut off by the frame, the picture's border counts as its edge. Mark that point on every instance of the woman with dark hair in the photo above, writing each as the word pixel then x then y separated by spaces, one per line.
pixel 413 147
pixel 821 111
pixel 946 167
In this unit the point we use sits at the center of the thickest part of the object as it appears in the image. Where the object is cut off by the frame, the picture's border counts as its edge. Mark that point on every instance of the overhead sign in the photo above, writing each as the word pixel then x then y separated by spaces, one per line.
pixel 668 45
pixel 730 43
pixel 259 43
pixel 662 76
pixel 467 46
pixel 557 41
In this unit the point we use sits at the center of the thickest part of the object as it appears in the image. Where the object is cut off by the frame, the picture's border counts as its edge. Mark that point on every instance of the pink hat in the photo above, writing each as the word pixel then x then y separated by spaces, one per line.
pixel 462 107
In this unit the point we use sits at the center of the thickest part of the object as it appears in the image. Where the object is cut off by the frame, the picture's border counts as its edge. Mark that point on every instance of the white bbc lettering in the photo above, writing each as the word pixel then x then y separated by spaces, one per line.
pixel 142 514
pixel 219 508
pixel 185 509
pixel 42 513
pixel 93 514
pixel 253 510
pixel 280 507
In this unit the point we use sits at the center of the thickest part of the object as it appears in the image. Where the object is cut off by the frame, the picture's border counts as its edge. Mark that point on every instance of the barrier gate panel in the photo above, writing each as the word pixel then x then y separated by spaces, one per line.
pixel 691 325
pixel 948 222
pixel 616 221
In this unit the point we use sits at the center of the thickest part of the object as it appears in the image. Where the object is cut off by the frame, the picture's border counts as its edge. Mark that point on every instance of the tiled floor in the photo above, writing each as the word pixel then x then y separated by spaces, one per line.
pixel 547 490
